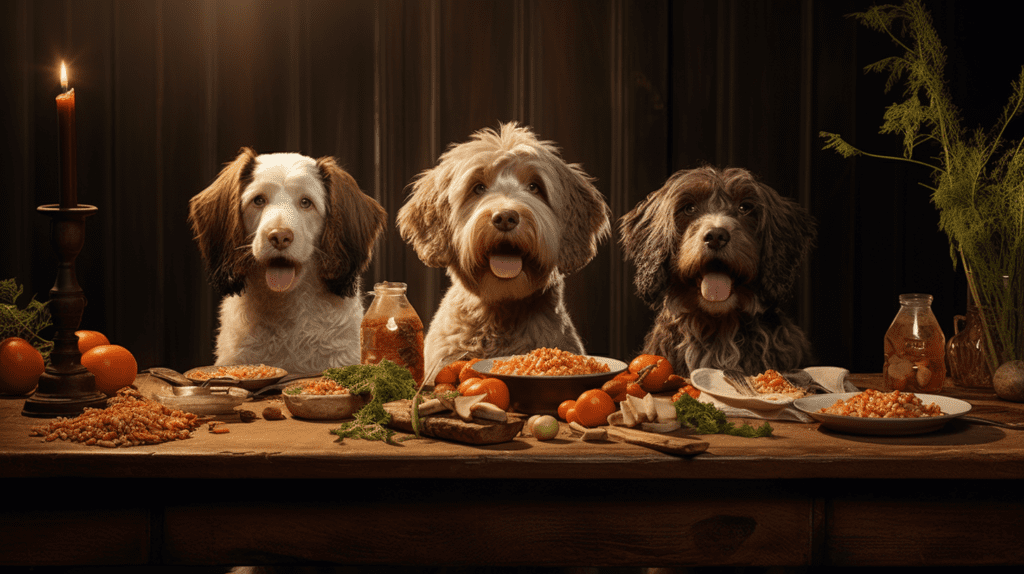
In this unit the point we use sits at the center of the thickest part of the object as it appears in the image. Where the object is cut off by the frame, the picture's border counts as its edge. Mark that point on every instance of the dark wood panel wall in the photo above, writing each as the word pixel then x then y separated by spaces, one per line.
pixel 168 91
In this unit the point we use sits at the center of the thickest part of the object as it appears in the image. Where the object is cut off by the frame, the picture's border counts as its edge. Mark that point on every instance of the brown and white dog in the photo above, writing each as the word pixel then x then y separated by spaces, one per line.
pixel 509 219
pixel 716 252
pixel 285 238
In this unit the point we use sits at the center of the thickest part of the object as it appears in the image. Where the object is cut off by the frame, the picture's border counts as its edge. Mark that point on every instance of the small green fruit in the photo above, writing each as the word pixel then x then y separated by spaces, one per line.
pixel 1008 381
pixel 545 428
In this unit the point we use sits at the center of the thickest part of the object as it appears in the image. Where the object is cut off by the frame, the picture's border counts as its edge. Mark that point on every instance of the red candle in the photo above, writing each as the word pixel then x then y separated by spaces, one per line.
pixel 68 145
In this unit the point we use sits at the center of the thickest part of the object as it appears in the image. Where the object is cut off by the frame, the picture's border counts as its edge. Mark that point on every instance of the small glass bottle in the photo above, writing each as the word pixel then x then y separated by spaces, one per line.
pixel 915 348
pixel 392 330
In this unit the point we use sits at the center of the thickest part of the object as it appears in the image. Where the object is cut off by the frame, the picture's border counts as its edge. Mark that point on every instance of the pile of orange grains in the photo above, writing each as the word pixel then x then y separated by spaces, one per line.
pixel 129 420
pixel 771 381
pixel 550 363
pixel 876 404
pixel 239 372
pixel 323 386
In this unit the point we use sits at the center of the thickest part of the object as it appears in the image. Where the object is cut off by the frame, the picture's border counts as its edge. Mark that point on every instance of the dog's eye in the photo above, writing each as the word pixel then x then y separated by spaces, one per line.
pixel 746 208
pixel 259 201
pixel 534 188
pixel 305 203
pixel 689 209
pixel 479 189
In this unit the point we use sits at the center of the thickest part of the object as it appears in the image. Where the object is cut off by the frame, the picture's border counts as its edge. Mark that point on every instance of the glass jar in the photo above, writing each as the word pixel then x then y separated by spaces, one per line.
pixel 966 352
pixel 915 347
pixel 392 330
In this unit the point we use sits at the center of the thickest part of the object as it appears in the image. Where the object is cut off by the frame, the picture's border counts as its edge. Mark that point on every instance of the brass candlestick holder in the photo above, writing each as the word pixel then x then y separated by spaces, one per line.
pixel 66 388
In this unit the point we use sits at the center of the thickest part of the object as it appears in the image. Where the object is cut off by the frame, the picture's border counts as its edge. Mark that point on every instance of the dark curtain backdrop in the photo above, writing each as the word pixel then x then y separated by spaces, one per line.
pixel 168 91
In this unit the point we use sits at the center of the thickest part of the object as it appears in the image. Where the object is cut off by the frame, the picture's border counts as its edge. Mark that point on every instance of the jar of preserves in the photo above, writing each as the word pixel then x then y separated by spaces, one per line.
pixel 915 347
pixel 392 330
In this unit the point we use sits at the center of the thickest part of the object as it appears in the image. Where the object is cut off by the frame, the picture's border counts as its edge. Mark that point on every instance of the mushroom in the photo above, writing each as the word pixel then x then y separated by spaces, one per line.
pixel 488 411
pixel 464 406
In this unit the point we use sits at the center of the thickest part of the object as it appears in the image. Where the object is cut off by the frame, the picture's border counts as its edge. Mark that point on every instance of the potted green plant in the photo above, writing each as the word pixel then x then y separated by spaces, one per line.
pixel 977 177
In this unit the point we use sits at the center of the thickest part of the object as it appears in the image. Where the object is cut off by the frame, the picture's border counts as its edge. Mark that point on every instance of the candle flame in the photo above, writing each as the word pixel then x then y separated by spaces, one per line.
pixel 63 77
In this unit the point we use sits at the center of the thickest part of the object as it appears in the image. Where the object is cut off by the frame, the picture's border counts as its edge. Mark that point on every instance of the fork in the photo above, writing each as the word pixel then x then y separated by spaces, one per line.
pixel 1015 426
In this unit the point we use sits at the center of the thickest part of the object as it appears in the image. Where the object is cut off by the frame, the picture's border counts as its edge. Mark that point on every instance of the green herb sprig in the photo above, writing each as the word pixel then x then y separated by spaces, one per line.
pixel 977 178
pixel 26 323
pixel 705 418
pixel 386 382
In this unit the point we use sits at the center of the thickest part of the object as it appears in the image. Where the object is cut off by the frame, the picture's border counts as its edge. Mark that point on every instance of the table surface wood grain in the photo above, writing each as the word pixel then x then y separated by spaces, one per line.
pixel 805 496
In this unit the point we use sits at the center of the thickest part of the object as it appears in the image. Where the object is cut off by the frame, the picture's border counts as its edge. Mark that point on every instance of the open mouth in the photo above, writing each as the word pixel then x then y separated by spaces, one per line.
pixel 716 283
pixel 280 274
pixel 505 261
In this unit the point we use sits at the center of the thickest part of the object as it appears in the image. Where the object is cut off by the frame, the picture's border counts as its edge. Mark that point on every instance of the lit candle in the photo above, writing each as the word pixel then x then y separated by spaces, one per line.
pixel 68 145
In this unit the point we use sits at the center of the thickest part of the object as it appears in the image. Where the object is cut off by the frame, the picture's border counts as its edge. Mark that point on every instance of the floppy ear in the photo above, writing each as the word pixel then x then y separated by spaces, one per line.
pixel 787 232
pixel 586 219
pixel 424 220
pixel 648 238
pixel 216 217
pixel 352 224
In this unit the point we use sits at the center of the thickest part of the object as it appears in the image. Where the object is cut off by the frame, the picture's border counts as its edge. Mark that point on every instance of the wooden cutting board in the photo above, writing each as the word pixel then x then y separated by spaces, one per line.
pixel 660 442
pixel 448 426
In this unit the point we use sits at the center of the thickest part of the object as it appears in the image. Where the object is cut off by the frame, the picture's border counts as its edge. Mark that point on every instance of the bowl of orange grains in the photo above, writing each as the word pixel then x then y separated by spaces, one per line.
pixel 540 380
pixel 248 377
pixel 320 398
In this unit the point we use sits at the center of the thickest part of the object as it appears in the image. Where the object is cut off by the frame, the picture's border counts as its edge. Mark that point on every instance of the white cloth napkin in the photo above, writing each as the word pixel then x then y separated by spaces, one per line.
pixel 832 378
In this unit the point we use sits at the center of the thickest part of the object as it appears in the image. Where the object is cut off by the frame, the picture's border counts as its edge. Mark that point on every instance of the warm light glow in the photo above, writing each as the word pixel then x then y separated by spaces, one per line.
pixel 63 77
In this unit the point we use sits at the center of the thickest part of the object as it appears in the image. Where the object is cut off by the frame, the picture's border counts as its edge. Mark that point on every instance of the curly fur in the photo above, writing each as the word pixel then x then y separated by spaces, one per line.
pixel 286 210
pixel 450 220
pixel 668 237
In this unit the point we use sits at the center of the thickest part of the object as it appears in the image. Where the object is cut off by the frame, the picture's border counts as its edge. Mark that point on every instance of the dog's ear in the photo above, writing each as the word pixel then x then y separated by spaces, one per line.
pixel 424 220
pixel 352 224
pixel 648 238
pixel 586 219
pixel 216 217
pixel 787 233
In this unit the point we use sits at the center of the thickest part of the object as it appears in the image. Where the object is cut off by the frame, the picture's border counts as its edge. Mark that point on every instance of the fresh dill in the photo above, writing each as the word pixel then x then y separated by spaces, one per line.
pixel 385 382
pixel 977 178
pixel 705 418
pixel 26 323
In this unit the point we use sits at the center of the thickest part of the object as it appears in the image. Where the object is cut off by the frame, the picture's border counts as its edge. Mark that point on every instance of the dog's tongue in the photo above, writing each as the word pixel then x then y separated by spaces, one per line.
pixel 716 286
pixel 506 266
pixel 280 277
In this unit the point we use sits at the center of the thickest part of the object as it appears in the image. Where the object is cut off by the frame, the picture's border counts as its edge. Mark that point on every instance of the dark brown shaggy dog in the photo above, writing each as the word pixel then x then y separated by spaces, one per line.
pixel 716 252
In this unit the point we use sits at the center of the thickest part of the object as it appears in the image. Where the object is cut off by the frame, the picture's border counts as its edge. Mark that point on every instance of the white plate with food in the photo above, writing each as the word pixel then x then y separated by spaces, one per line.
pixel 744 391
pixel 540 393
pixel 248 377
pixel 950 409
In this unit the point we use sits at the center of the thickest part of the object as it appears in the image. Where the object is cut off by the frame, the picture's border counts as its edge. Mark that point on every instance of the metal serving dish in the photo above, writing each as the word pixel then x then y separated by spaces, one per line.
pixel 542 394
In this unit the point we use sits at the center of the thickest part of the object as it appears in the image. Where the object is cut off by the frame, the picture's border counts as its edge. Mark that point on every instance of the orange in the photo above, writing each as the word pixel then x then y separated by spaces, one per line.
pixel 564 408
pixel 90 339
pixel 593 408
pixel 657 377
pixel 20 366
pixel 466 384
pixel 449 373
pixel 570 415
pixel 636 390
pixel 113 365
pixel 495 390
pixel 468 372
pixel 616 388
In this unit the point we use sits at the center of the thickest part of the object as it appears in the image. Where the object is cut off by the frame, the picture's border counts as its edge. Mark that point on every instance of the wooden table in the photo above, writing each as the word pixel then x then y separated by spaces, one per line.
pixel 285 491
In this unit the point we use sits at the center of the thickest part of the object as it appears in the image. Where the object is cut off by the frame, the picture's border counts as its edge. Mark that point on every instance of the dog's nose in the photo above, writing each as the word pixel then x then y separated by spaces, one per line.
pixel 281 238
pixel 717 238
pixel 505 220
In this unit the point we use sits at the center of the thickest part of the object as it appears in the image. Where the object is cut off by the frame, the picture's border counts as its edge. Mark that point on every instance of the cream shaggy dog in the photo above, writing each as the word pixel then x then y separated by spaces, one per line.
pixel 716 252
pixel 285 238
pixel 508 219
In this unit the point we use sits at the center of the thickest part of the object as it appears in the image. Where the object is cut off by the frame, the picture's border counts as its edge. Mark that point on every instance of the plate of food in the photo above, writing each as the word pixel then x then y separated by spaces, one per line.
pixel 864 412
pixel 320 398
pixel 540 380
pixel 767 390
pixel 248 377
